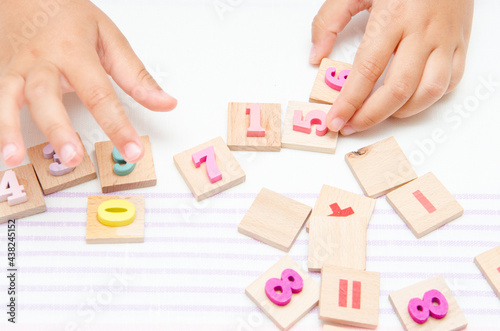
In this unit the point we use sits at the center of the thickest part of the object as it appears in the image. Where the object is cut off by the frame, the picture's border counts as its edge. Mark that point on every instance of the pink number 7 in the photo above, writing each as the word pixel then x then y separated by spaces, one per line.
pixel 207 155
pixel 255 129
pixel 312 117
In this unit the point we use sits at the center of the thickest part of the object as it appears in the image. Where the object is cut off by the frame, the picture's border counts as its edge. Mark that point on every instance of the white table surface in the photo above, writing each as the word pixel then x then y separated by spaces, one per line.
pixel 191 272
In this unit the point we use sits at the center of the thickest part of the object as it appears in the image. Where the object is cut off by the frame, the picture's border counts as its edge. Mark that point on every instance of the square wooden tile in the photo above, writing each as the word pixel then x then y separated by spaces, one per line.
pixel 425 205
pixel 304 141
pixel 489 264
pixel 322 93
pixel 98 233
pixel 239 122
pixel 454 319
pixel 360 205
pixel 36 203
pixel 381 167
pixel 349 296
pixel 274 219
pixel 337 241
pixel 143 175
pixel 301 303
pixel 197 179
pixel 83 173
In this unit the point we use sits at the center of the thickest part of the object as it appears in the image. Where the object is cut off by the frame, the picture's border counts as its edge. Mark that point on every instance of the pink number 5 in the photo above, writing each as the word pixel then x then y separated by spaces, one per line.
pixel 255 129
pixel 336 83
pixel 10 189
pixel 312 117
pixel 208 155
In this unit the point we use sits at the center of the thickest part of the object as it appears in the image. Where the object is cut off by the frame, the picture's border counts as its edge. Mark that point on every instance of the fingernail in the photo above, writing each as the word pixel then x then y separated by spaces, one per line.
pixel 312 54
pixel 68 153
pixel 8 151
pixel 347 130
pixel 132 151
pixel 336 124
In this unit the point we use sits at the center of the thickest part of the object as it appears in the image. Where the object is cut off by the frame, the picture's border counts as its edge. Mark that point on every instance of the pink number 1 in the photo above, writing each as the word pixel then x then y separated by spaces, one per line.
pixel 336 83
pixel 255 129
pixel 10 189
pixel 208 155
pixel 312 117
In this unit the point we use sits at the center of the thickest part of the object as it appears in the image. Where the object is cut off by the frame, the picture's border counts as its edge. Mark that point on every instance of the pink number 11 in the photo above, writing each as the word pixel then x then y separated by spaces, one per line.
pixel 207 155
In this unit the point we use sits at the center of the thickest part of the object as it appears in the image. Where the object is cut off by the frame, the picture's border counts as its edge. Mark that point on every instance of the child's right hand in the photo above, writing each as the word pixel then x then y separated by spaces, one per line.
pixel 50 47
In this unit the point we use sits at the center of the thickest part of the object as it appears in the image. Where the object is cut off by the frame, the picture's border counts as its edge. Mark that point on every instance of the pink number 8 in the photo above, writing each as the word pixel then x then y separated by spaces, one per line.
pixel 433 304
pixel 279 291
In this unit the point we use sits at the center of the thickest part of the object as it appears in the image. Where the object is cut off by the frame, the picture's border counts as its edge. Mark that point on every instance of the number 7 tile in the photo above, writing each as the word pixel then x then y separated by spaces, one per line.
pixel 209 169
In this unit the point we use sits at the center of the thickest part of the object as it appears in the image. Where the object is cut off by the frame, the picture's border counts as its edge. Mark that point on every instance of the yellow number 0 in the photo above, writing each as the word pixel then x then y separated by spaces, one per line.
pixel 116 212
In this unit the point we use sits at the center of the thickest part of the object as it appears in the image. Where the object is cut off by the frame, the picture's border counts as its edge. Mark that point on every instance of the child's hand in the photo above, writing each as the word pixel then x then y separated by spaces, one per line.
pixel 429 40
pixel 50 47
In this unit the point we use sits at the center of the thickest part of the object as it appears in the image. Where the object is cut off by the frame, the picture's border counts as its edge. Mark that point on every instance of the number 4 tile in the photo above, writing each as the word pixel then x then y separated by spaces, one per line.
pixel 425 205
pixel 489 264
pixel 21 185
pixel 209 168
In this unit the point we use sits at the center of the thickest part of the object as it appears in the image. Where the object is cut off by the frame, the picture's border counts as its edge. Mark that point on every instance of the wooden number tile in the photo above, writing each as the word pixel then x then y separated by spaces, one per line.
pixel 425 205
pixel 300 301
pixel 334 203
pixel 428 305
pixel 489 264
pixel 330 79
pixel 254 127
pixel 98 233
pixel 20 194
pixel 349 296
pixel 336 241
pixel 305 128
pixel 202 177
pixel 62 178
pixel 274 219
pixel 143 175
pixel 381 167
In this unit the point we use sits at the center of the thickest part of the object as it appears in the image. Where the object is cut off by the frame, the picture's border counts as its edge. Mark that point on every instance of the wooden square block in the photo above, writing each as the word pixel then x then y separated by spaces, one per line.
pixel 98 233
pixel 425 205
pixel 84 172
pixel 300 304
pixel 381 167
pixel 349 296
pixel 454 319
pixel 337 241
pixel 321 92
pixel 197 179
pixel 36 203
pixel 331 327
pixel 360 205
pixel 239 121
pixel 274 219
pixel 489 264
pixel 143 175
pixel 304 141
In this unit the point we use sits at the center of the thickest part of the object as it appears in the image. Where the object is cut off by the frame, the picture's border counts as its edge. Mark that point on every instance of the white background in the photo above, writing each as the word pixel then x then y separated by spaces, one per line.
pixel 191 272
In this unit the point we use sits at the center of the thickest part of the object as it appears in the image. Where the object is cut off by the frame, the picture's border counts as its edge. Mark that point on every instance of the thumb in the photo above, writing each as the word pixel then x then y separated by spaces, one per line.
pixel 331 19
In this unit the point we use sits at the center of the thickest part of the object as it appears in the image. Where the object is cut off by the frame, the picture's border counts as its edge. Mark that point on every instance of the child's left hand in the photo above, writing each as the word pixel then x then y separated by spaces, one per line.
pixel 429 40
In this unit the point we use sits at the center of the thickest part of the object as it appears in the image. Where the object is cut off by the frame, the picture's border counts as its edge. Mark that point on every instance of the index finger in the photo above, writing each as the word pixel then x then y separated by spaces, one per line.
pixel 370 62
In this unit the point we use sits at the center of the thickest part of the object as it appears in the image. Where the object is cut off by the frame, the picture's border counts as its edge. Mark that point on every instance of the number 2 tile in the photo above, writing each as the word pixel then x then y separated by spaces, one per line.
pixel 205 184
